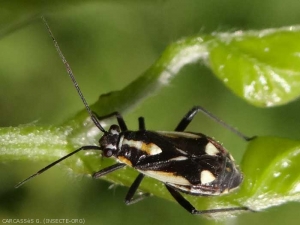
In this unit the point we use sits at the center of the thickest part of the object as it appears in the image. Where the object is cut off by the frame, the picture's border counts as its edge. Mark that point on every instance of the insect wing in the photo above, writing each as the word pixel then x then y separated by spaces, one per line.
pixel 189 162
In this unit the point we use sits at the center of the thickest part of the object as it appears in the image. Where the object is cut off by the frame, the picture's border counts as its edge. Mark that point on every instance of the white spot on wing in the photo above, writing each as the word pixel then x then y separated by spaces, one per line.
pixel 210 149
pixel 206 177
pixel 182 152
pixel 179 158
pixel 166 177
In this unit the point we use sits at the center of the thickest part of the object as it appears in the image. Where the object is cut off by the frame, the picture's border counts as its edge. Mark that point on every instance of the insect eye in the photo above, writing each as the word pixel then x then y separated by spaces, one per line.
pixel 108 152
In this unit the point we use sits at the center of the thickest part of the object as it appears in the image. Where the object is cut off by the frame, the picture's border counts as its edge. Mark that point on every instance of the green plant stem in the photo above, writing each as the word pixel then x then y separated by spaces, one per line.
pixel 160 74
pixel 32 142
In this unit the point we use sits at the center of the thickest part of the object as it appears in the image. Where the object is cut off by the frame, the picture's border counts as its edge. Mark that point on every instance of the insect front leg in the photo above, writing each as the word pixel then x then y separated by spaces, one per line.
pixel 190 208
pixel 119 117
pixel 108 170
pixel 190 115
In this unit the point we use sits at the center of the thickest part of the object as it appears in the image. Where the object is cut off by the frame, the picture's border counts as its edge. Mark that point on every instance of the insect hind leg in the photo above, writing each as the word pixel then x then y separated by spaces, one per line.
pixel 190 116
pixel 191 209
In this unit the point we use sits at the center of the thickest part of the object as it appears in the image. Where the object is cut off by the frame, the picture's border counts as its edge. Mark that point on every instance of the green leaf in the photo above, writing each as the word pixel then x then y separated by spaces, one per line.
pixel 271 167
pixel 262 67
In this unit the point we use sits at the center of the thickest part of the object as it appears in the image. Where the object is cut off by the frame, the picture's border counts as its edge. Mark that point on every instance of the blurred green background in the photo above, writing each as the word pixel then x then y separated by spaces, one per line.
pixel 109 44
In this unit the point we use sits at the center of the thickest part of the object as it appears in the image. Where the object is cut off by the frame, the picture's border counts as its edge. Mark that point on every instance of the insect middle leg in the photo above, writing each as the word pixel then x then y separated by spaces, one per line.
pixel 190 115
pixel 129 199
pixel 133 188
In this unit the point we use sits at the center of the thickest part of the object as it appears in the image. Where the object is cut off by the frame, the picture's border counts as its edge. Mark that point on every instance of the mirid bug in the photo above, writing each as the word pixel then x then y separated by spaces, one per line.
pixel 186 162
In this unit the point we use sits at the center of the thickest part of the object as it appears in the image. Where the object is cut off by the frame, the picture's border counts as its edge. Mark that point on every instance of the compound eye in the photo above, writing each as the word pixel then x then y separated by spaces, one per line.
pixel 108 152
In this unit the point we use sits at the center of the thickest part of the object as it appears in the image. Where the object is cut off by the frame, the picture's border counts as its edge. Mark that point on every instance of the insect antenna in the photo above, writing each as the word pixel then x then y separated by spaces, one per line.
pixel 92 115
pixel 69 70
pixel 57 161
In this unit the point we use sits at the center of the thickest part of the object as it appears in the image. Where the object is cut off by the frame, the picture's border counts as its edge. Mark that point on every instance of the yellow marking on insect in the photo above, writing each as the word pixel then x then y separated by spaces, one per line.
pixel 150 149
pixel 226 191
pixel 124 160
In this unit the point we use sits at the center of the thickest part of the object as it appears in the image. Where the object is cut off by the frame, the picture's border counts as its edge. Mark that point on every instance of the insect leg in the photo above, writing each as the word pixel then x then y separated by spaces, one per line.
pixel 188 206
pixel 108 170
pixel 190 115
pixel 132 190
pixel 119 117
pixel 142 123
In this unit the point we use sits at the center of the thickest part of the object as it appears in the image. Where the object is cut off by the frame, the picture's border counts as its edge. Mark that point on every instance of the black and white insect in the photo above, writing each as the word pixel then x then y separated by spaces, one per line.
pixel 186 162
